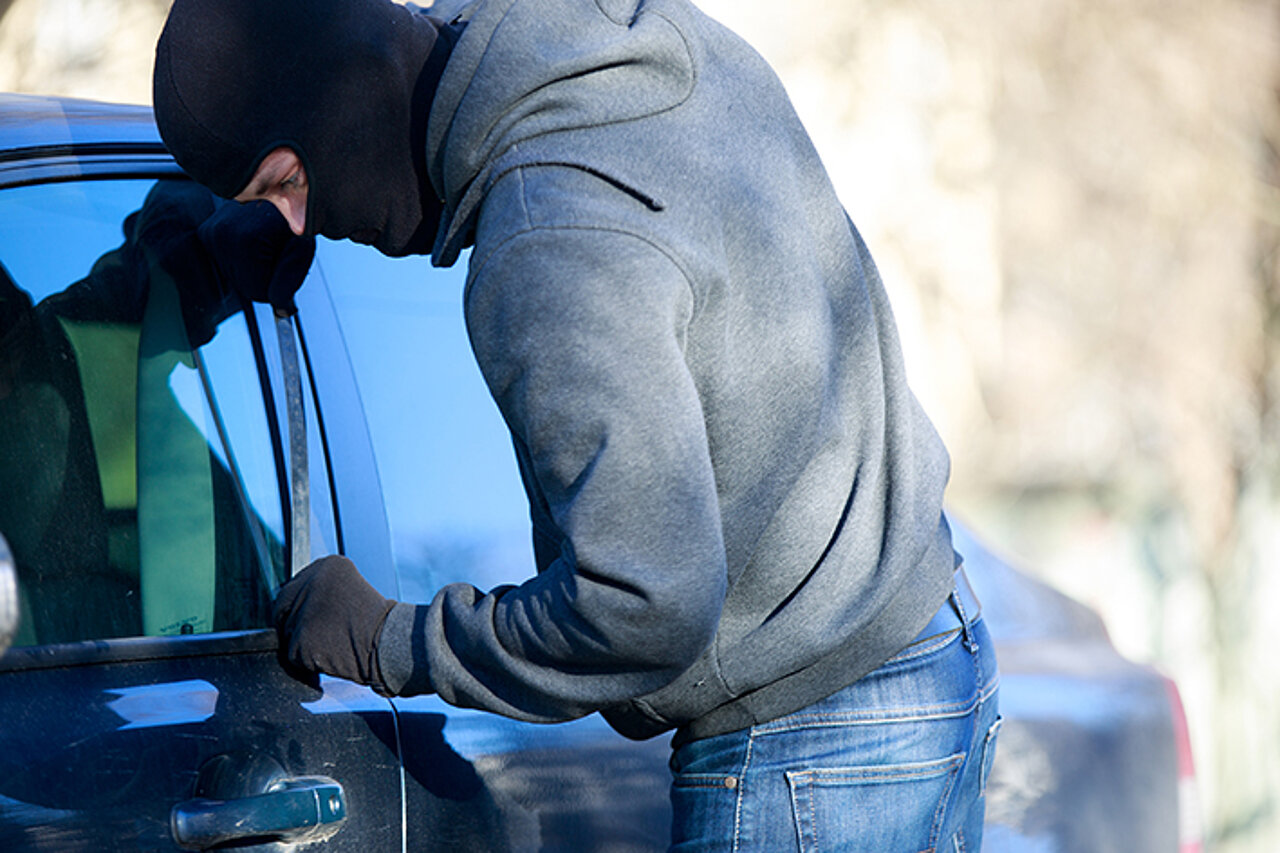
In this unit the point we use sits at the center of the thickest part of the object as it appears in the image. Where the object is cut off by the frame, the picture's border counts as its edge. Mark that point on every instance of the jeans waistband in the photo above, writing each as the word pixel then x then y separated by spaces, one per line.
pixel 958 612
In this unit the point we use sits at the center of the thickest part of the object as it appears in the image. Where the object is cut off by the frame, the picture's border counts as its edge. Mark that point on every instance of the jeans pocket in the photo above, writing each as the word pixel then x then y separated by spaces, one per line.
pixel 886 808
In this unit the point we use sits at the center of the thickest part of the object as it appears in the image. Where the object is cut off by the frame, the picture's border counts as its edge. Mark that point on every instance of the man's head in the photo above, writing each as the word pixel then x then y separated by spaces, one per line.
pixel 314 105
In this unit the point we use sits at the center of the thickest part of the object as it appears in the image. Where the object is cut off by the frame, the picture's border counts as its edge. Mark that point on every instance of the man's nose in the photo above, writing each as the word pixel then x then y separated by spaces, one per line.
pixel 294 210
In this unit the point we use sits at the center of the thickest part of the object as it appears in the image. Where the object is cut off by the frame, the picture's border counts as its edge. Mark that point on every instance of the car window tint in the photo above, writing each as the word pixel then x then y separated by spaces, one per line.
pixel 453 495
pixel 138 487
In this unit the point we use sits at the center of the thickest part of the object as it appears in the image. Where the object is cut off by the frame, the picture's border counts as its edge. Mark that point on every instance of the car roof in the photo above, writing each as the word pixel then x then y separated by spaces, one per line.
pixel 40 121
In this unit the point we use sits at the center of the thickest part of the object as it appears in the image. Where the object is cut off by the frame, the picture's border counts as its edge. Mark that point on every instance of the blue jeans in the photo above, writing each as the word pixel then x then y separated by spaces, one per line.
pixel 897 761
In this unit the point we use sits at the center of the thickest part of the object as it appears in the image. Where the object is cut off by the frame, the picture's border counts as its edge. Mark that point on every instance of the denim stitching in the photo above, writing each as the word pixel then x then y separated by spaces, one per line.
pixel 950 767
pixel 984 692
pixel 939 811
pixel 742 790
pixel 966 626
pixel 700 780
pixel 800 789
pixel 901 773
pixel 813 820
pixel 973 726
pixel 923 647
pixel 797 721
pixel 802 720
pixel 973 656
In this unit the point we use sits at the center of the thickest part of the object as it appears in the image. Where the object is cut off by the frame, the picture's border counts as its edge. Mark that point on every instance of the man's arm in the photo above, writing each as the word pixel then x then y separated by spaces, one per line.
pixel 579 333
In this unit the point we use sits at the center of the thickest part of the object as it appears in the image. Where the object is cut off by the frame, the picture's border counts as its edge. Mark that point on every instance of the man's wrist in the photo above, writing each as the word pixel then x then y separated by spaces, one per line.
pixel 398 664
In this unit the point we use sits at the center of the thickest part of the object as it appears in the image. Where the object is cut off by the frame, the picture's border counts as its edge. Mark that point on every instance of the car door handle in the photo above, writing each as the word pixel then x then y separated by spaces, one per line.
pixel 309 808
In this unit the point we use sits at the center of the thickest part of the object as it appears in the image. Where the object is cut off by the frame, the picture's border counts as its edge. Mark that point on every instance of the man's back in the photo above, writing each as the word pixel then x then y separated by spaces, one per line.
pixel 661 262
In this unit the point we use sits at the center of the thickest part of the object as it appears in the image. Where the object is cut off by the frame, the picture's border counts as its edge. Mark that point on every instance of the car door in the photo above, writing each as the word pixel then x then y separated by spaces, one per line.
pixel 147 444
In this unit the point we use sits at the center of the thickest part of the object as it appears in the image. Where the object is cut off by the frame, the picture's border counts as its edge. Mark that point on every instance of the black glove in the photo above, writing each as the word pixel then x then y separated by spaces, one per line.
pixel 256 254
pixel 329 619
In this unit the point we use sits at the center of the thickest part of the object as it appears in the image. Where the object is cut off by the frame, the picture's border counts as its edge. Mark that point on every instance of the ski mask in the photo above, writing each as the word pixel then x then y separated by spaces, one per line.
pixel 346 84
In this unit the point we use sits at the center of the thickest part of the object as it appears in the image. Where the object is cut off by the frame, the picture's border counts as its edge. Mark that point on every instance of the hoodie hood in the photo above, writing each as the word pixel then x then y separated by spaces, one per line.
pixel 532 69
pixel 341 82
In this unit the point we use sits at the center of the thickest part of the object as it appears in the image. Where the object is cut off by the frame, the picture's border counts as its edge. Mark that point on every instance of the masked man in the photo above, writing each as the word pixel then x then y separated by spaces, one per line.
pixel 736 501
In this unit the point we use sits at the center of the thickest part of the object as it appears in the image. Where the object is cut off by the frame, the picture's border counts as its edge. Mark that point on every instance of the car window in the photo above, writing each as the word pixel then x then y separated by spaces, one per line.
pixel 140 488
pixel 322 525
pixel 453 496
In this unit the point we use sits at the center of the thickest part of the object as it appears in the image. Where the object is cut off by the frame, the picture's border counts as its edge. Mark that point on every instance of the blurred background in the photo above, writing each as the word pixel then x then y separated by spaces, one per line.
pixel 1076 207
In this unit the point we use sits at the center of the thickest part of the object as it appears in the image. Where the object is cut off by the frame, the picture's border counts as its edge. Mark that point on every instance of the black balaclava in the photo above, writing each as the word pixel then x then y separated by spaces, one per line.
pixel 347 84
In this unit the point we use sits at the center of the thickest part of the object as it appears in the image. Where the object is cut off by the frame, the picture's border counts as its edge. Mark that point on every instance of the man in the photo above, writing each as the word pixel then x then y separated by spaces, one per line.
pixel 736 501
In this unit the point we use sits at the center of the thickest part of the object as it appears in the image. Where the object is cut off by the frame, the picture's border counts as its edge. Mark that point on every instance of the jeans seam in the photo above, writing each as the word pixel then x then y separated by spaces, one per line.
pixel 966 624
pixel 973 735
pixel 742 791
pixel 713 781
pixel 883 773
pixel 943 801
pixel 796 722
pixel 813 821
pixel 919 648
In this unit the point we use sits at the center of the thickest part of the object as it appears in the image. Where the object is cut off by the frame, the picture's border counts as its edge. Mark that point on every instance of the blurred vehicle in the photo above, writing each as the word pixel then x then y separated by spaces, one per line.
pixel 162 469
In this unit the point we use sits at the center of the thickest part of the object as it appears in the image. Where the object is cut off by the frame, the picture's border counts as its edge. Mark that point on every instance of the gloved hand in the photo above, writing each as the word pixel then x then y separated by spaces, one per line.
pixel 329 619
pixel 256 254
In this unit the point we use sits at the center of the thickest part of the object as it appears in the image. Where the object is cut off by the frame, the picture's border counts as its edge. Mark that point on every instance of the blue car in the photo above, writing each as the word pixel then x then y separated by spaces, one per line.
pixel 168 455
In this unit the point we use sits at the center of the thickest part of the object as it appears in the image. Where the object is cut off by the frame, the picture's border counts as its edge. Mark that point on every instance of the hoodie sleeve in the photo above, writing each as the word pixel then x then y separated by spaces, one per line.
pixel 579 335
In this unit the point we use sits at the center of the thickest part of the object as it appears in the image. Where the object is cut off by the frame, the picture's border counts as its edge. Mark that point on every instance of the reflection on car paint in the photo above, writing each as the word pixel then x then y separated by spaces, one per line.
pixel 344 697
pixel 19 814
pixel 171 704
pixel 476 733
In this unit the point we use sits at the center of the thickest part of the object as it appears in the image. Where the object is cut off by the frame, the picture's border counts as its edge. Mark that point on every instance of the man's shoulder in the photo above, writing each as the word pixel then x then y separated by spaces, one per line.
pixel 546 194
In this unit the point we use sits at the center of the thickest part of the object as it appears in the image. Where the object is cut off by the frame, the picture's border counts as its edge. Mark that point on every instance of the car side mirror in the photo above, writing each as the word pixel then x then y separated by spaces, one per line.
pixel 8 596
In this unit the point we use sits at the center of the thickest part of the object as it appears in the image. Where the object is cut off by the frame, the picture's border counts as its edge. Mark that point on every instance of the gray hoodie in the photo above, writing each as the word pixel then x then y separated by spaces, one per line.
pixel 736 500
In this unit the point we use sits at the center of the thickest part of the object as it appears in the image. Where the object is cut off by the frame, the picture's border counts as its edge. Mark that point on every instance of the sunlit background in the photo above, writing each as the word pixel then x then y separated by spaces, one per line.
pixel 1076 206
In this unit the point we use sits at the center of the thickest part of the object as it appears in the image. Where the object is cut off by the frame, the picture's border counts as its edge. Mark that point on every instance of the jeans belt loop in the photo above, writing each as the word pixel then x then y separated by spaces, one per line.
pixel 957 603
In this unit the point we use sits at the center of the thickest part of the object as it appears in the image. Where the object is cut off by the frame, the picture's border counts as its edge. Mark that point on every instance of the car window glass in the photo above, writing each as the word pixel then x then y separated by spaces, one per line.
pixel 228 361
pixel 453 495
pixel 139 488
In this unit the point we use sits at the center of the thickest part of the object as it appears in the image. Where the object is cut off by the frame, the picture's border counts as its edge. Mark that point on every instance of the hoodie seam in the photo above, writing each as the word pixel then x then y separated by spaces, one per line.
pixel 624 22
pixel 676 104
pixel 524 194
pixel 625 185
pixel 498 154
pixel 177 93
pixel 478 268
